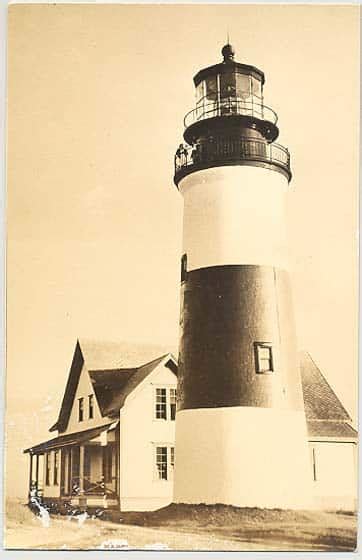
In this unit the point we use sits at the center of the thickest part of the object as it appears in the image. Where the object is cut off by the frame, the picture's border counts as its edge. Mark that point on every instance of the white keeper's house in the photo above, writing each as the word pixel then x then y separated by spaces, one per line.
pixel 116 431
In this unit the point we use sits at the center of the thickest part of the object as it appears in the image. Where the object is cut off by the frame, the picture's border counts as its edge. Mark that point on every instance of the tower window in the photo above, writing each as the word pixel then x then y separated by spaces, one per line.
pixel 81 409
pixel 90 406
pixel 183 267
pixel 263 357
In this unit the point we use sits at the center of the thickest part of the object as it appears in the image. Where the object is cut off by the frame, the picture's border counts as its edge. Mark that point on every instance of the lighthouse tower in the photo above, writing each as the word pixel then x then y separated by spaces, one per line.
pixel 240 426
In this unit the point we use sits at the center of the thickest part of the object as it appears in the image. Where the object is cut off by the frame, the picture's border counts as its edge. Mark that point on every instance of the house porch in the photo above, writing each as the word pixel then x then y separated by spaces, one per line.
pixel 80 470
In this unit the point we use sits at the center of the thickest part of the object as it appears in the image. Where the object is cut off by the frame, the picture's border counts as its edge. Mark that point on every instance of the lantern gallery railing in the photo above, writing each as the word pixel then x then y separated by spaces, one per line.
pixel 230 106
pixel 230 150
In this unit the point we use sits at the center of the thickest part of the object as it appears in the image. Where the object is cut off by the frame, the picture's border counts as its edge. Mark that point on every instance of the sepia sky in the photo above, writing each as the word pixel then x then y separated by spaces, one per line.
pixel 96 100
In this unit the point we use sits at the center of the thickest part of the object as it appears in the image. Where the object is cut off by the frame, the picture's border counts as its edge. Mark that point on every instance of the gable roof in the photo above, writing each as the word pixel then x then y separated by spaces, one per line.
pixel 70 390
pixel 320 401
pixel 116 359
pixel 112 387
pixel 106 354
pixel 102 355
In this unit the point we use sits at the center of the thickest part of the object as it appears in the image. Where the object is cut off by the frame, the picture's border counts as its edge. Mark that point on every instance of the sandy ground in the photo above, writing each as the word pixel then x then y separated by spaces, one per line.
pixel 324 532
pixel 65 534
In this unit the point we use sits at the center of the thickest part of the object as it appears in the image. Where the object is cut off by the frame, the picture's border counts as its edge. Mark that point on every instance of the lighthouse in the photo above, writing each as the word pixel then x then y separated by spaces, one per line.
pixel 241 436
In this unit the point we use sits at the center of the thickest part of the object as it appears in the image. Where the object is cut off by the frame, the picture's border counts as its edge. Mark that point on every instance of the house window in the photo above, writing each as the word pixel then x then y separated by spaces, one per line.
pixel 172 404
pixel 161 403
pixel 172 457
pixel 263 357
pixel 47 469
pixel 90 406
pixel 165 460
pixel 165 403
pixel 56 468
pixel 161 462
pixel 81 409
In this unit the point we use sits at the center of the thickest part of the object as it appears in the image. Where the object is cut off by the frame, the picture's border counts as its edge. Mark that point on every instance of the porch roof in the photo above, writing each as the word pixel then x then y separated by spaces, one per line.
pixel 70 439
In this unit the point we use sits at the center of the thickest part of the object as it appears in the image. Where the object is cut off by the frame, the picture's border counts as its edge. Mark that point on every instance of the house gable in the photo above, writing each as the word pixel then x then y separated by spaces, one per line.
pixel 162 374
pixel 70 389
pixel 114 386
pixel 78 385
pixel 110 386
pixel 84 392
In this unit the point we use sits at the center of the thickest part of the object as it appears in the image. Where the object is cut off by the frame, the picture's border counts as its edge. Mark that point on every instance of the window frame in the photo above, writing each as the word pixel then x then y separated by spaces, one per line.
pixel 184 267
pixel 163 448
pixel 258 367
pixel 90 407
pixel 81 409
pixel 168 388
pixel 156 403
pixel 170 465
pixel 172 458
pixel 172 394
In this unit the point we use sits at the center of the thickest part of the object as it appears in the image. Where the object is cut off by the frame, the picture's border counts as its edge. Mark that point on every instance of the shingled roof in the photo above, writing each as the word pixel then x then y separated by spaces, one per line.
pixel 321 402
pixel 107 355
pixel 112 387
pixel 325 414
pixel 330 429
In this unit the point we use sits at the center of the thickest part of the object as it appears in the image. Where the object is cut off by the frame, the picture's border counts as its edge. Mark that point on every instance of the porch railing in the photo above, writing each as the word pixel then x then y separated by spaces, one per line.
pixel 91 487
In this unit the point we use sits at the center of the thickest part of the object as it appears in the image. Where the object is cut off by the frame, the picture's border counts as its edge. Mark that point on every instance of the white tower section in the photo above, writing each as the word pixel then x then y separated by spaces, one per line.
pixel 234 215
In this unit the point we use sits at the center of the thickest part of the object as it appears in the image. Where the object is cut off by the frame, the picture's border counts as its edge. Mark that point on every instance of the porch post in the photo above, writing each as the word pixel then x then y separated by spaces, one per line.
pixel 30 472
pixel 82 497
pixel 37 472
pixel 118 453
pixel 81 469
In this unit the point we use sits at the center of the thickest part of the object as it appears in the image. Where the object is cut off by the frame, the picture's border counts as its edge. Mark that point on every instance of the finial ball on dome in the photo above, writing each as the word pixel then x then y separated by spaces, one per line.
pixel 228 52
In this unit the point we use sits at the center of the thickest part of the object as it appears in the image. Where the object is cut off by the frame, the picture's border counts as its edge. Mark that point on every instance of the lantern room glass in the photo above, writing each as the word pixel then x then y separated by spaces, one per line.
pixel 229 93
